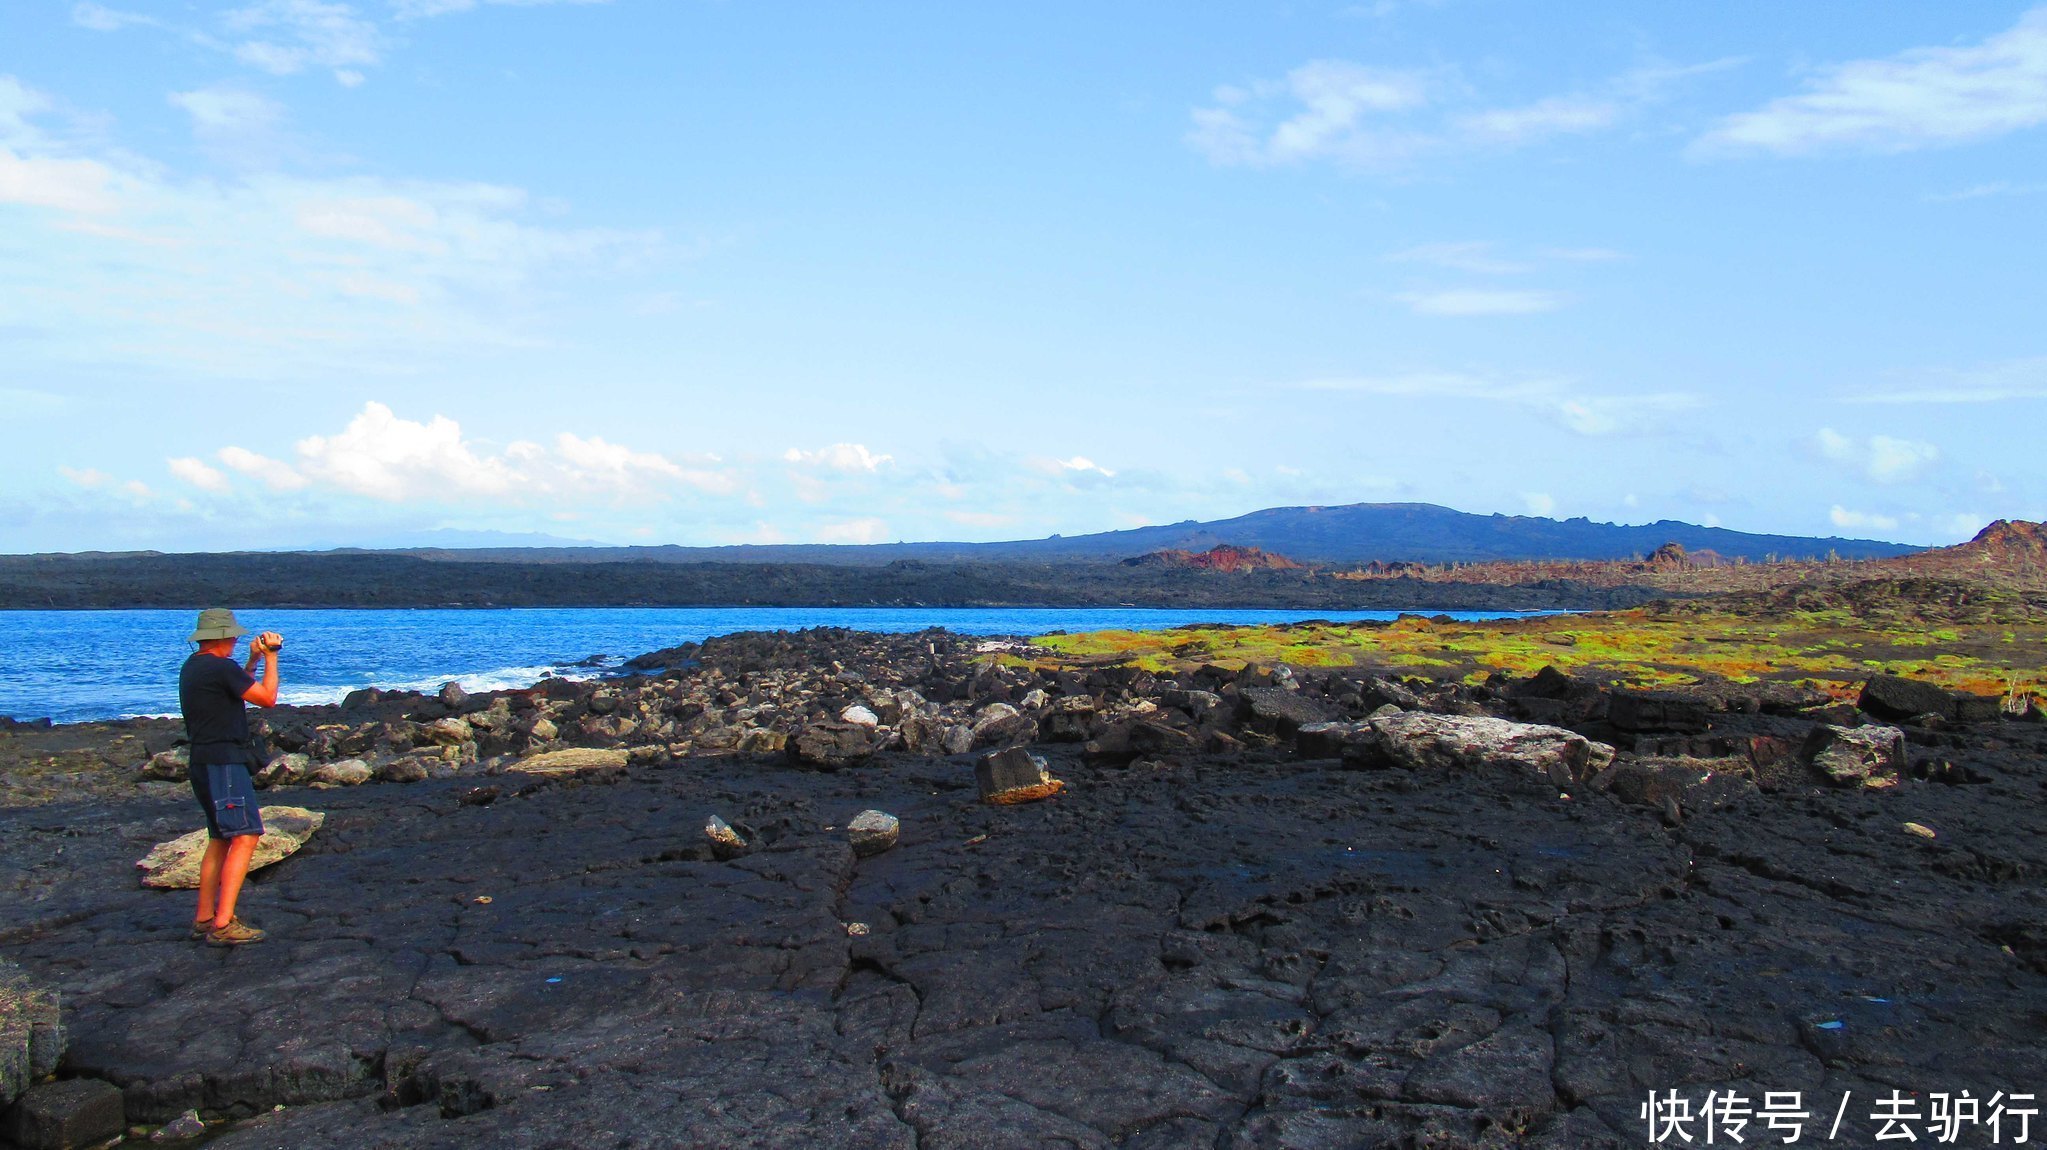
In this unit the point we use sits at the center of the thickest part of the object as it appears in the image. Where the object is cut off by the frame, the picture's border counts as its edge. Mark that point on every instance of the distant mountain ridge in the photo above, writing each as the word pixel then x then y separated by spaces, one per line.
pixel 1352 533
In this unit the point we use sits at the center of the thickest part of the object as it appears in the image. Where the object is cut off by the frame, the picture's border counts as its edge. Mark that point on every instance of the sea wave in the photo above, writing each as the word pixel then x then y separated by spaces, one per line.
pixel 495 679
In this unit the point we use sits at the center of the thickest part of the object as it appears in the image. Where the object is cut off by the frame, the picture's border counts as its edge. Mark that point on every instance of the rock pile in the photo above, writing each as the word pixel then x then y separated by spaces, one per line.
pixel 833 700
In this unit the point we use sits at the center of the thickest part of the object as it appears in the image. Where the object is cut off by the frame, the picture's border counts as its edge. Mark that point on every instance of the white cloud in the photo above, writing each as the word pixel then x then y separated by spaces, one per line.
pixel 271 275
pixel 1371 117
pixel 226 110
pixel 18 103
pixel 1924 97
pixel 1613 414
pixel 384 457
pixel 1554 116
pixel 1861 520
pixel 1553 398
pixel 1481 301
pixel 1539 503
pixel 87 477
pixel 1880 457
pixel 1333 100
pixel 593 463
pixel 1473 256
pixel 863 530
pixel 198 474
pixel 76 186
pixel 1085 466
pixel 1995 383
pixel 101 18
pixel 416 9
pixel 284 37
pixel 1961 524
pixel 272 473
pixel 840 457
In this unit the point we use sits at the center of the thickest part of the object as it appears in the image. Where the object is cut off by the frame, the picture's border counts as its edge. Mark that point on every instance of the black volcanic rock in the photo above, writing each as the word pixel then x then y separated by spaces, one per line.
pixel 1222 945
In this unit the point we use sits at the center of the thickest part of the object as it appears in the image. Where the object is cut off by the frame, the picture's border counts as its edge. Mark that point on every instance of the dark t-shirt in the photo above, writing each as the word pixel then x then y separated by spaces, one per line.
pixel 210 693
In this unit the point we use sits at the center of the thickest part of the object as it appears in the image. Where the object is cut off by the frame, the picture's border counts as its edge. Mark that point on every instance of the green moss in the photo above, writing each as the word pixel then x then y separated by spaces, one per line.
pixel 1829 646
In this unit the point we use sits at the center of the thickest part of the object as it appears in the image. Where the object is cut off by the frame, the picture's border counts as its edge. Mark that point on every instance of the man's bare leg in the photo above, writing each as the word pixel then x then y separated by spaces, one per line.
pixel 209 878
pixel 233 869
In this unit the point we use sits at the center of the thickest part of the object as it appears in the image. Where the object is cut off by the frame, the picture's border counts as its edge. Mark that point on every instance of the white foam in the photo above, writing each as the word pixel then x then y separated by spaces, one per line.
pixel 498 679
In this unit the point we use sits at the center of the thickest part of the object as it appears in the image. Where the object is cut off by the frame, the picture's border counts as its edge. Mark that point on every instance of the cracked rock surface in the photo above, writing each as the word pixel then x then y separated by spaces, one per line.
pixel 1233 947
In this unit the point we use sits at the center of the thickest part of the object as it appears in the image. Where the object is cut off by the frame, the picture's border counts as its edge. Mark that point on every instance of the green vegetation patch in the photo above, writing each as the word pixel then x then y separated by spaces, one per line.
pixel 1647 647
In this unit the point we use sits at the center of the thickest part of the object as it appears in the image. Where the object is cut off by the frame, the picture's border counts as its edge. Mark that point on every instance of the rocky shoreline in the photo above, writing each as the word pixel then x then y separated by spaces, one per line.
pixel 1273 906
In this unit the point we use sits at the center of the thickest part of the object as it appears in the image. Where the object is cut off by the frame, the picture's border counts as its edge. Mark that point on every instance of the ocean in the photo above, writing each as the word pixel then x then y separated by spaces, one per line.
pixel 73 666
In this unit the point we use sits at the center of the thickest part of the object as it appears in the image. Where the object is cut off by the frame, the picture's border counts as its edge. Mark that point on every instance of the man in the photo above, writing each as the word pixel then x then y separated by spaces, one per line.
pixel 211 690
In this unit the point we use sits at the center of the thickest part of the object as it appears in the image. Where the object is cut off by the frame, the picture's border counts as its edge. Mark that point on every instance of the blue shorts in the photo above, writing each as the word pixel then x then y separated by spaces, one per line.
pixel 228 798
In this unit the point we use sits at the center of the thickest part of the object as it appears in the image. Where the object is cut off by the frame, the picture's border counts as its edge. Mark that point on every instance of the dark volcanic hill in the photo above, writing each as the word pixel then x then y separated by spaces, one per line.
pixel 1355 533
pixel 1221 557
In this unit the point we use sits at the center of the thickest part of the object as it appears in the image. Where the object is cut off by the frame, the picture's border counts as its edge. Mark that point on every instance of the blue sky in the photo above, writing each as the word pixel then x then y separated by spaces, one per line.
pixel 308 273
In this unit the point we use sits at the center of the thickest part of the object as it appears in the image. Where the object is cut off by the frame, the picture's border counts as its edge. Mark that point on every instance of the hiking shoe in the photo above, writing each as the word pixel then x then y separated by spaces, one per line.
pixel 201 927
pixel 235 933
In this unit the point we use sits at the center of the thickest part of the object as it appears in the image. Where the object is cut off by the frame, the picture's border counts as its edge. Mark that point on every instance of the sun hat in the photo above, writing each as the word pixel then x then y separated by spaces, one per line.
pixel 216 623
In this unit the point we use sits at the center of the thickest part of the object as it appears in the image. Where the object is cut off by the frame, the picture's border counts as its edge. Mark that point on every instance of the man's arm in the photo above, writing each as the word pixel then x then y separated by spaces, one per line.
pixel 264 693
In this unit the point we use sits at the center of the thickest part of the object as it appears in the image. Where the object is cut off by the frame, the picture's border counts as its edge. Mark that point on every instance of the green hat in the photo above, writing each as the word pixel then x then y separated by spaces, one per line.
pixel 216 623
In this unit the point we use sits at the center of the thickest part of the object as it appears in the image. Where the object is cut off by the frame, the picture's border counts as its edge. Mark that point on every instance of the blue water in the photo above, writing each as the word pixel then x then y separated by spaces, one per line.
pixel 77 665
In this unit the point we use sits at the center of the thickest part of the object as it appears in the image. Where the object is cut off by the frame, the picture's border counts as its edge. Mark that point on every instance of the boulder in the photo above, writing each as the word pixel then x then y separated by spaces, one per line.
pixel 452 696
pixel 726 843
pixel 1277 709
pixel 167 765
pixel 872 832
pixel 1856 756
pixel 1977 708
pixel 957 740
pixel 918 732
pixel 761 741
pixel 1014 776
pixel 1667 785
pixel 362 697
pixel 1651 712
pixel 449 732
pixel 174 865
pixel 346 773
pixel 1001 723
pixel 1111 745
pixel 1894 698
pixel 31 1031
pixel 1069 720
pixel 62 1115
pixel 405 770
pixel 1423 741
pixel 574 760
pixel 1197 704
pixel 185 1126
pixel 296 767
pixel 833 745
pixel 1548 683
pixel 1324 740
pixel 1376 692
pixel 859 716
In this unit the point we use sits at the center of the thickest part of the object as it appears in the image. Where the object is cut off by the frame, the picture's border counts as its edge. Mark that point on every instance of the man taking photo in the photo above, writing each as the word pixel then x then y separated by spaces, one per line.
pixel 211 690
